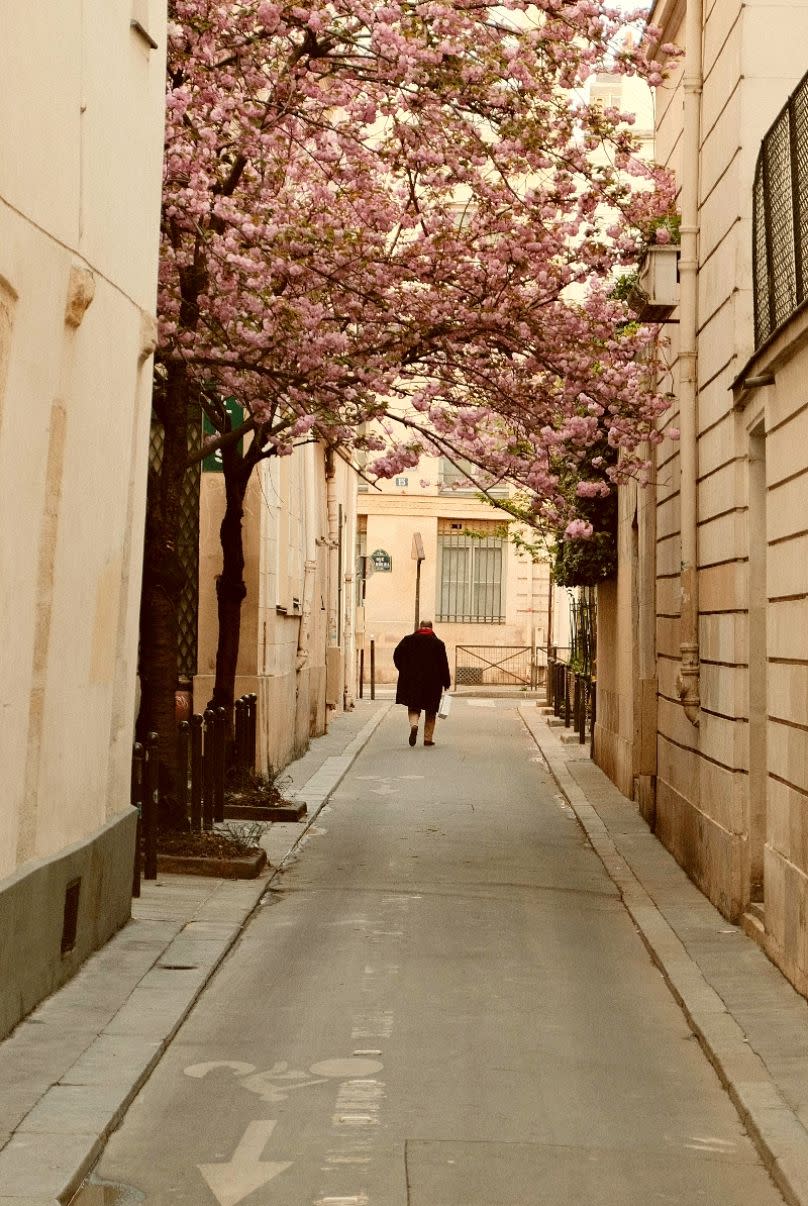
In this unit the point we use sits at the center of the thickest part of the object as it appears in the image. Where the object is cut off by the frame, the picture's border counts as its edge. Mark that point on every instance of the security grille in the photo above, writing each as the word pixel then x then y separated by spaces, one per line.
pixel 780 224
pixel 188 543
pixel 470 573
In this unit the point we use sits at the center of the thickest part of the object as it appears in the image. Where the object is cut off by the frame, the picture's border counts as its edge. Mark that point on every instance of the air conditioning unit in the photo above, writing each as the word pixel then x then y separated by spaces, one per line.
pixel 657 293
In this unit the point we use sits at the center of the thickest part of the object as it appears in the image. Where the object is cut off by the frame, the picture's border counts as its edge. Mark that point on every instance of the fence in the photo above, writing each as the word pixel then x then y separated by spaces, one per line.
pixel 572 695
pixel 202 757
pixel 496 666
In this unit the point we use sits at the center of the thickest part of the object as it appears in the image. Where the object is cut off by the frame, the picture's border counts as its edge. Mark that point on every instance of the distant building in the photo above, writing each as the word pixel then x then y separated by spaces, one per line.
pixel 296 651
pixel 81 145
pixel 492 605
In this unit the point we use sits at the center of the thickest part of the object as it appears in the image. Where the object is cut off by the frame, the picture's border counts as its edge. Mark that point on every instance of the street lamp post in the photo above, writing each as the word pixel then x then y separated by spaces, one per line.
pixel 417 556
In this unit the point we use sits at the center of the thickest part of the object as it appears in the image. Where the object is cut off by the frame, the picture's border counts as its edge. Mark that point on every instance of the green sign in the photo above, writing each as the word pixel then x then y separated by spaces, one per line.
pixel 213 463
pixel 382 561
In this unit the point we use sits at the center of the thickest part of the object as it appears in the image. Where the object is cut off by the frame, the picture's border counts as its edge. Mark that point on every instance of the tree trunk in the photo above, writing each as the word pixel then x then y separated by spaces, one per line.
pixel 163 580
pixel 231 589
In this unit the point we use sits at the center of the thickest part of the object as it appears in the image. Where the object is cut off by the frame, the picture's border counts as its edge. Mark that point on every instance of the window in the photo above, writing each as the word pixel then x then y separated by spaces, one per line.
pixel 454 479
pixel 470 558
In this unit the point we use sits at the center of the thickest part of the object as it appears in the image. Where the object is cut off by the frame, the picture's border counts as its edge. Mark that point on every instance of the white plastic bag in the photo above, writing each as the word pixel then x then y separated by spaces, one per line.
pixel 445 705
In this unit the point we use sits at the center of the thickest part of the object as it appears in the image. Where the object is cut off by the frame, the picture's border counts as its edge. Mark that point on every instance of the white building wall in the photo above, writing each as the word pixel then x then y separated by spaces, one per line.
pixel 80 177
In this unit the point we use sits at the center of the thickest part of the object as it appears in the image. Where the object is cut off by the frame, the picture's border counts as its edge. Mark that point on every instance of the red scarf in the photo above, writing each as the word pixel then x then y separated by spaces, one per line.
pixel 424 632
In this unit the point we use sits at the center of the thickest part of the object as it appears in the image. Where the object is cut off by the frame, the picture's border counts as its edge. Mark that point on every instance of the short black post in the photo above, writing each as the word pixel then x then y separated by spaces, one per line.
pixel 558 691
pixel 372 669
pixel 183 751
pixel 151 801
pixel 220 731
pixel 137 802
pixel 208 768
pixel 582 710
pixel 196 772
pixel 361 672
pixel 567 700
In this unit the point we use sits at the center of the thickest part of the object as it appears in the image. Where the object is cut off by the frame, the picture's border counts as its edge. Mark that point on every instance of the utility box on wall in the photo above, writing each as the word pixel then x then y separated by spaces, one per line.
pixel 658 287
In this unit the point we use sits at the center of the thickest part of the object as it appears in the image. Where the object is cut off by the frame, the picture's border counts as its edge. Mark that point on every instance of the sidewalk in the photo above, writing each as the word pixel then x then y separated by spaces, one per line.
pixel 752 1025
pixel 72 1067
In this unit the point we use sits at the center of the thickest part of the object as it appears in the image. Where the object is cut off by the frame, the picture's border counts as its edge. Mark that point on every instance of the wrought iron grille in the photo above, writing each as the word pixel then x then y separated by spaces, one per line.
pixel 188 544
pixel 780 223
pixel 470 562
pixel 584 628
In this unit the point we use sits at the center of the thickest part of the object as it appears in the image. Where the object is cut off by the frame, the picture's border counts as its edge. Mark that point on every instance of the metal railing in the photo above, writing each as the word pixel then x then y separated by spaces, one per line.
pixel 572 695
pixel 202 758
pixel 495 666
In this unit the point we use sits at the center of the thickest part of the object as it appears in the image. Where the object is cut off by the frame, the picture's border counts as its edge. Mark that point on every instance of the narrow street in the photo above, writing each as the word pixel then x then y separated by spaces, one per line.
pixel 441 1002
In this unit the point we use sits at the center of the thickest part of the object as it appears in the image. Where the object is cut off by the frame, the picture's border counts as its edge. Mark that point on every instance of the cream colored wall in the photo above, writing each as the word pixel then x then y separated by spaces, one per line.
pixel 291 575
pixel 80 185
pixel 394 515
pixel 711 779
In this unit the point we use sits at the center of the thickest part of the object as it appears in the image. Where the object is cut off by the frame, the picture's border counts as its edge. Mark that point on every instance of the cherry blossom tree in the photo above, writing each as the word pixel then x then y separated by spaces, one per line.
pixel 392 227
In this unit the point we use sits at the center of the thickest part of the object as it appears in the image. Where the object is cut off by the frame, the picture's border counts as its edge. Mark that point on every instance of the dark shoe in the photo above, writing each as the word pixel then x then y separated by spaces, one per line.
pixel 429 743
pixel 413 734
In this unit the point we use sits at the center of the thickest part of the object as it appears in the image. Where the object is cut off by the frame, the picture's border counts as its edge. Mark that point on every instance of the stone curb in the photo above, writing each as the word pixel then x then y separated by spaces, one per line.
pixel 60 1140
pixel 775 1129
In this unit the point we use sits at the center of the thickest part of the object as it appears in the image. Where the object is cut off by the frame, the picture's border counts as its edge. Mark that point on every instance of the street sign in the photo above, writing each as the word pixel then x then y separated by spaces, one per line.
pixel 213 463
pixel 381 561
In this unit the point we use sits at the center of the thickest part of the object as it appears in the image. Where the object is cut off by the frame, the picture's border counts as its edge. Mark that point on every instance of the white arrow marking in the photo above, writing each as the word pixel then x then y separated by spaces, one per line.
pixel 246 1171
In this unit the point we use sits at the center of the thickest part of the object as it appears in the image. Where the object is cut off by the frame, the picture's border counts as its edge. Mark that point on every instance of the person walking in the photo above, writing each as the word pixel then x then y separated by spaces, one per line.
pixel 423 672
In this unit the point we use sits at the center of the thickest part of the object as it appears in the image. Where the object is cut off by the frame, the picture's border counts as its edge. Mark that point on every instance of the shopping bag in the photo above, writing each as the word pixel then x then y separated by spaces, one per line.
pixel 445 706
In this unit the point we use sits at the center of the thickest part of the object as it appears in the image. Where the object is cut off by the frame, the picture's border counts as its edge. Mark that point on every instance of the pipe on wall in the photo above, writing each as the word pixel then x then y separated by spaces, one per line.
pixel 687 681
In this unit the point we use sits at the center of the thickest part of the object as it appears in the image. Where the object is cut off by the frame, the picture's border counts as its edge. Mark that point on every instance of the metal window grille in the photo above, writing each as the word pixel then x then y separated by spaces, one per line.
pixel 470 574
pixel 188 543
pixel 780 221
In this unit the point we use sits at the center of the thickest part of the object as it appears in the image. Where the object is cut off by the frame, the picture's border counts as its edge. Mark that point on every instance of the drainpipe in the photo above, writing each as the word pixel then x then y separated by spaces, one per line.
pixel 333 687
pixel 687 681
pixel 310 521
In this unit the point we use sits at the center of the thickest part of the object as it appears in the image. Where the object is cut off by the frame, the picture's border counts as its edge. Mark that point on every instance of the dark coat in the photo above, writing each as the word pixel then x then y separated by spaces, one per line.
pixel 423 671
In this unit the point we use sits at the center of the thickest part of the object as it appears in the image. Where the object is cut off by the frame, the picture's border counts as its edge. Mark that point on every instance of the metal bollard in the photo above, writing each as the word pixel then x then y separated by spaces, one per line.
pixel 361 673
pixel 183 751
pixel 208 768
pixel 151 802
pixel 138 755
pixel 567 700
pixel 219 732
pixel 196 772
pixel 372 669
pixel 582 711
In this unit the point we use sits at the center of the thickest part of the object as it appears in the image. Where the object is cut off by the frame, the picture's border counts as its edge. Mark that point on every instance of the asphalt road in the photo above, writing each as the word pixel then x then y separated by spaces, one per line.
pixel 442 1002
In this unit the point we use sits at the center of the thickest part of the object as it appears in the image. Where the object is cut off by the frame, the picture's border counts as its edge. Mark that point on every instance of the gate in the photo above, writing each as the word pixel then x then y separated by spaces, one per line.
pixel 494 666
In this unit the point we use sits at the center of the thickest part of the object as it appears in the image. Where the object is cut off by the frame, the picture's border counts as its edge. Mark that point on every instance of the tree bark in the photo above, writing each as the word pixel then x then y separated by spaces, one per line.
pixel 231 589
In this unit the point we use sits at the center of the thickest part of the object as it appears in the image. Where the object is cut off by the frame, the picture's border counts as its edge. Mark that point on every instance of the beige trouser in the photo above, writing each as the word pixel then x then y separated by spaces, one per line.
pixel 429 722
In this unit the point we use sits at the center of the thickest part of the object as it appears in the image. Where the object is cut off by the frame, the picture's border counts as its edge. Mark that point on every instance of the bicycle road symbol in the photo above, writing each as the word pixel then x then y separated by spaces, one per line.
pixel 277 1082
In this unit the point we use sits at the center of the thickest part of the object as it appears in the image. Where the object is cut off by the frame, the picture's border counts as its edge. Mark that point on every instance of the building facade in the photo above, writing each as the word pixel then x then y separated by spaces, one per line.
pixel 708 730
pixel 80 181
pixel 428 545
pixel 296 651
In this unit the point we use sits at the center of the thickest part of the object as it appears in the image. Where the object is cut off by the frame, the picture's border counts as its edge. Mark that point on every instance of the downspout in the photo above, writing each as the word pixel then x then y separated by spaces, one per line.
pixel 687 681
pixel 310 564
